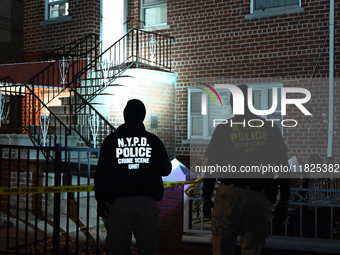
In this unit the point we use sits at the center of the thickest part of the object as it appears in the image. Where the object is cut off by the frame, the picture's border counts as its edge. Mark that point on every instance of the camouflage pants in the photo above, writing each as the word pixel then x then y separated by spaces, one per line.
pixel 239 211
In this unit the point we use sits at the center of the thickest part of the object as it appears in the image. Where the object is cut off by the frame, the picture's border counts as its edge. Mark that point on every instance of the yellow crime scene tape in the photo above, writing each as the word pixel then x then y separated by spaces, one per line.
pixel 64 189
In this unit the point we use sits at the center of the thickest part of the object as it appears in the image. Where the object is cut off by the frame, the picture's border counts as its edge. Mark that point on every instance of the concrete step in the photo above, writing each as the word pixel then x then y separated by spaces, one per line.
pixel 60 109
pixel 65 119
pixel 66 100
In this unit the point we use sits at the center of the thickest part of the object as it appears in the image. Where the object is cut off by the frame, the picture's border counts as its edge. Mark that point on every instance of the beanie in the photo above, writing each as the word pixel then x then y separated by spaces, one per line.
pixel 134 111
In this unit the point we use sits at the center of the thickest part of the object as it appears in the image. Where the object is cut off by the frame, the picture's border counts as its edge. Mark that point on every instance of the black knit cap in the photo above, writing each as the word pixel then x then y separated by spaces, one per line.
pixel 134 111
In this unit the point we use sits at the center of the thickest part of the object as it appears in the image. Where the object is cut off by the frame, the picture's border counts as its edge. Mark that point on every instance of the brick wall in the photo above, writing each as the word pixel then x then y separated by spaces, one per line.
pixel 157 94
pixel 216 40
pixel 42 36
pixel 170 220
pixel 171 226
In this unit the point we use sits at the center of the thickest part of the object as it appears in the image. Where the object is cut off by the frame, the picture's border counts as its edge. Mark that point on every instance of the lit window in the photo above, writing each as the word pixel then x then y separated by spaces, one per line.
pixel 201 126
pixel 153 12
pixel 268 5
pixel 56 8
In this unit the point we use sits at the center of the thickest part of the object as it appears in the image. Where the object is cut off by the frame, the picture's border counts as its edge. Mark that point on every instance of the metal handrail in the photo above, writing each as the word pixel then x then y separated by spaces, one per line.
pixel 91 126
pixel 88 74
pixel 71 60
pixel 57 77
pixel 136 48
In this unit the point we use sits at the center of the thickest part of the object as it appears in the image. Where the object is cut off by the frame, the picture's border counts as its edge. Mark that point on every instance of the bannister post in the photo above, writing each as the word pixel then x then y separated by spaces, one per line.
pixel 137 47
pixel 56 213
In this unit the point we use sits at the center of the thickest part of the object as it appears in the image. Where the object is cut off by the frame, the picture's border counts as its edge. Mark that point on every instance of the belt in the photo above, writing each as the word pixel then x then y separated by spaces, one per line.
pixel 243 186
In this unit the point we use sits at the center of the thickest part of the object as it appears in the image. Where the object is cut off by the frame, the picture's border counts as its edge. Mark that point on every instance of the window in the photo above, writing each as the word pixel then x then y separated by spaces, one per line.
pixel 201 126
pixel 56 8
pixel 153 12
pixel 265 5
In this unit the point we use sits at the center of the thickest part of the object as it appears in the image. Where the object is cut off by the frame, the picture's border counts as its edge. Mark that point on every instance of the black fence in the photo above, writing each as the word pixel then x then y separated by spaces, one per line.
pixel 47 203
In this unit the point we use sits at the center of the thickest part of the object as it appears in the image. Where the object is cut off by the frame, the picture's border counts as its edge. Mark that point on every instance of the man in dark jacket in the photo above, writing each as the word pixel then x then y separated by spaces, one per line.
pixel 242 203
pixel 129 179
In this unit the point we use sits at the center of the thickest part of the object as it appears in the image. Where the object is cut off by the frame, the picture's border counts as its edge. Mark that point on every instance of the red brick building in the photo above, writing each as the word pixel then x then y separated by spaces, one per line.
pixel 254 42
pixel 239 42
pixel 216 42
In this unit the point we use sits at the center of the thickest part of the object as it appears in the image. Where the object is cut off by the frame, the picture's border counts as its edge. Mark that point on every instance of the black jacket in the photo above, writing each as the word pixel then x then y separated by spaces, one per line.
pixel 248 146
pixel 132 162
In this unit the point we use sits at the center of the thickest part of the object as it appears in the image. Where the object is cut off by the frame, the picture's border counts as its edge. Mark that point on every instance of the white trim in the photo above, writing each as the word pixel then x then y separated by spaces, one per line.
pixel 156 28
pixel 140 73
pixel 278 12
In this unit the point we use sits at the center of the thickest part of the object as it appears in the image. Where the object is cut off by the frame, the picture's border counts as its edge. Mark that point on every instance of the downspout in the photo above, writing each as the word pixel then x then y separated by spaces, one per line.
pixel 331 83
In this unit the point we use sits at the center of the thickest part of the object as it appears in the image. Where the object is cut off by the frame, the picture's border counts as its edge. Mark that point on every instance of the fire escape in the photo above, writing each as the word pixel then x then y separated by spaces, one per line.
pixel 80 73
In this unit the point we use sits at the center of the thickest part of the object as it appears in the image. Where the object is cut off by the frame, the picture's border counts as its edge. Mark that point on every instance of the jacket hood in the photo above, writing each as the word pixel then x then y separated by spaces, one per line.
pixel 134 111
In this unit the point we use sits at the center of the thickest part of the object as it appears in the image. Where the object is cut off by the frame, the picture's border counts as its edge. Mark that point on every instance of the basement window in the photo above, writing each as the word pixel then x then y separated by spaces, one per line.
pixel 56 9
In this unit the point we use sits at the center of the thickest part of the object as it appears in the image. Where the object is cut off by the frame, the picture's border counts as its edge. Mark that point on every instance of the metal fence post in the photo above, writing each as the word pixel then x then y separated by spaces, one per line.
pixel 56 213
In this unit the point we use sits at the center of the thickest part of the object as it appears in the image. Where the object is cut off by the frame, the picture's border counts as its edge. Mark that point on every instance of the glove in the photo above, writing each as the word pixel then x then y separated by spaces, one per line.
pixel 281 213
pixel 207 208
pixel 102 209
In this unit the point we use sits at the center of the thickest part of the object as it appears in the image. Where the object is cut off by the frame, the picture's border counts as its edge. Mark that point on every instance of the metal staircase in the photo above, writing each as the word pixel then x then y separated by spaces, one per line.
pixel 57 101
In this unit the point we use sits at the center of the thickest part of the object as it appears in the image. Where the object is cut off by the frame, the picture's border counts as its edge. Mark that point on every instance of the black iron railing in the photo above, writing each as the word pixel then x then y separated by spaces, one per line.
pixel 41 211
pixel 90 125
pixel 58 75
pixel 47 86
pixel 82 73
pixel 137 48
pixel 149 49
pixel 23 112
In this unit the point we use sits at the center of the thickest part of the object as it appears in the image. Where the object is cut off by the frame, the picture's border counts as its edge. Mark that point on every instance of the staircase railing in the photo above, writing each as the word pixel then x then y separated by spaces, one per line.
pixel 90 125
pixel 50 82
pixel 86 73
pixel 137 48
pixel 23 111
pixel 150 49
pixel 44 128
pixel 9 121
pixel 71 58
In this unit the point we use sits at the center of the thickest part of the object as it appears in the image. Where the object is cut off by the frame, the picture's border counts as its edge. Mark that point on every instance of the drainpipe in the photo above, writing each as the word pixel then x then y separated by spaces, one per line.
pixel 331 83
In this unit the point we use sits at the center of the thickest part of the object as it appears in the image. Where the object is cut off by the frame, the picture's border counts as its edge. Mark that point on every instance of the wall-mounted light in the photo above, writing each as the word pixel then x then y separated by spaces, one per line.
pixel 154 121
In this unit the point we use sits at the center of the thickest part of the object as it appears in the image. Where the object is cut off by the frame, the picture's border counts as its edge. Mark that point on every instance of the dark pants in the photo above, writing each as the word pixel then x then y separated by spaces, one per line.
pixel 137 215
pixel 239 211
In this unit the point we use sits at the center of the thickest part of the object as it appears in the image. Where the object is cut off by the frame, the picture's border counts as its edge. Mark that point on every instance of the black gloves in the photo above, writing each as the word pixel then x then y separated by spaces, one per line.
pixel 207 208
pixel 281 213
pixel 102 209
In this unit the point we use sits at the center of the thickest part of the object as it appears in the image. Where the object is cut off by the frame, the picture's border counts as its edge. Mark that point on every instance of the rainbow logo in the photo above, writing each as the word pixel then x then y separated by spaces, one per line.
pixel 211 92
